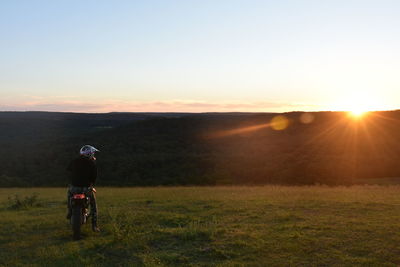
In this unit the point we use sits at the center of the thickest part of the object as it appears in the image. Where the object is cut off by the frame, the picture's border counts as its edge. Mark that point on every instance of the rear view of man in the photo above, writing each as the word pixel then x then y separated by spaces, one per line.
pixel 83 173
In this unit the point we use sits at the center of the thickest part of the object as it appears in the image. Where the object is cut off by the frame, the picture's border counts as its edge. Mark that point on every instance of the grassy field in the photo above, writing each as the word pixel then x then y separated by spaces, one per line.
pixel 208 226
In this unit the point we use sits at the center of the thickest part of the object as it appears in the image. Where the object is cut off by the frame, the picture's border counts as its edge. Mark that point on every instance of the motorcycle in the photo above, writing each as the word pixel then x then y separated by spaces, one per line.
pixel 79 201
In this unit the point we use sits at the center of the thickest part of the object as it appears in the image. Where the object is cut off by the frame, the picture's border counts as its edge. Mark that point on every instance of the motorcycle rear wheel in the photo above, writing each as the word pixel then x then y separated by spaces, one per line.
pixel 76 223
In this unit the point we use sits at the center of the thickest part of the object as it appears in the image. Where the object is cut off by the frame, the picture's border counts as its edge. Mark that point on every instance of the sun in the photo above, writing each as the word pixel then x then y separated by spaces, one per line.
pixel 358 104
pixel 357 113
pixel 359 110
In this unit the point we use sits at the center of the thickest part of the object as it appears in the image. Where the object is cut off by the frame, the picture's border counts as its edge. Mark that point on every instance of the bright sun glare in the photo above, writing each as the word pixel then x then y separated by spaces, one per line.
pixel 358 104
pixel 357 113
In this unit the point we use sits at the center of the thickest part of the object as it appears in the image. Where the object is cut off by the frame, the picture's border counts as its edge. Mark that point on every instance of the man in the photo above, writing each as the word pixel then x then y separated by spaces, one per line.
pixel 83 172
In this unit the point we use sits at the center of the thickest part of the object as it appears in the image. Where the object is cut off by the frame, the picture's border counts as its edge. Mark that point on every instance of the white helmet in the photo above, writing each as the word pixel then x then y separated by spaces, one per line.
pixel 88 151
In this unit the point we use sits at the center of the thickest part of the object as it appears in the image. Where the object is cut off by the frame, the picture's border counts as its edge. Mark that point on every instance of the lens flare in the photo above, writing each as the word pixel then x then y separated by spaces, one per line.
pixel 306 118
pixel 241 130
pixel 279 123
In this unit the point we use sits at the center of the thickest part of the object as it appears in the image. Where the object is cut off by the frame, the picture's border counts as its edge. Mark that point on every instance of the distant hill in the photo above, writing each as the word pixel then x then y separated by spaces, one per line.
pixel 36 125
pixel 208 148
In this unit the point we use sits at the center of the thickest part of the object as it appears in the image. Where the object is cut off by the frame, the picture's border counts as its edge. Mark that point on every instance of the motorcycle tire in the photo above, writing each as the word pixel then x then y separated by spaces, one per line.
pixel 76 223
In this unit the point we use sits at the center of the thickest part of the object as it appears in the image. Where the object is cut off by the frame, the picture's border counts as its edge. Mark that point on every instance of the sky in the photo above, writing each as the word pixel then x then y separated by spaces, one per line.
pixel 199 56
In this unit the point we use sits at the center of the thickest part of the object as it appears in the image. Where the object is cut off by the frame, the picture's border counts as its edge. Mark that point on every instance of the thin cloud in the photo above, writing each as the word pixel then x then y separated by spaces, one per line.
pixel 75 105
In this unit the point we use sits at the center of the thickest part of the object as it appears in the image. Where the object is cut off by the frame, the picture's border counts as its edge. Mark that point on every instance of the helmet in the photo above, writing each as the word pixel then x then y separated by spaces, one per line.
pixel 88 151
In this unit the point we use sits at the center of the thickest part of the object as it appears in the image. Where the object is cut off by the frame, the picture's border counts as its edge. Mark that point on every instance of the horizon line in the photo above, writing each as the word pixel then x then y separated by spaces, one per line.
pixel 192 112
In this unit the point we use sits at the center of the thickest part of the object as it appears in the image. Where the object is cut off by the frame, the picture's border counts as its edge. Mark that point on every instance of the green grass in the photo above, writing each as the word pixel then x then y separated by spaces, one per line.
pixel 208 226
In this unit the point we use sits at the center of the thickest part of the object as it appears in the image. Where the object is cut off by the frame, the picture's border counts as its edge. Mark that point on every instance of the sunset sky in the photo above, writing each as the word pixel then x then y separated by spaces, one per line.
pixel 199 56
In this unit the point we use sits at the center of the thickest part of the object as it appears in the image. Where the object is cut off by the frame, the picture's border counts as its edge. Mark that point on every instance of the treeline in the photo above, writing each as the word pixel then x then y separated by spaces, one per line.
pixel 202 149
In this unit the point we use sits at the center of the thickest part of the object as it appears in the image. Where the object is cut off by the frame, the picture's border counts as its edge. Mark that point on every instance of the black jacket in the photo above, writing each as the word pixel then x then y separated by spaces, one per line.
pixel 83 172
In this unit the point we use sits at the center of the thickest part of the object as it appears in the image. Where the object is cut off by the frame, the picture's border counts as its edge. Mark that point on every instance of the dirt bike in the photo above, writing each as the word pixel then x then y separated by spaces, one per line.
pixel 80 201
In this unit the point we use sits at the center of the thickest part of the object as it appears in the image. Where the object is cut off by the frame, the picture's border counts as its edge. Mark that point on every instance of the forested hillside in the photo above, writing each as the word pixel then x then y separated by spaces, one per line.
pixel 220 148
